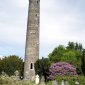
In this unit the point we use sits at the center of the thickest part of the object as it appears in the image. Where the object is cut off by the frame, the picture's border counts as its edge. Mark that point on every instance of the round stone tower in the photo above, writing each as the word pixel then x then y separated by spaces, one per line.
pixel 32 39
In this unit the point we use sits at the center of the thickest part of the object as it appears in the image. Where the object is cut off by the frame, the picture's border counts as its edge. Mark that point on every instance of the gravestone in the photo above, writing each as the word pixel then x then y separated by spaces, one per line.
pixel 54 82
pixel 17 74
pixel 37 79
pixel 76 83
pixel 3 73
pixel 62 83
pixel 66 83
pixel 42 81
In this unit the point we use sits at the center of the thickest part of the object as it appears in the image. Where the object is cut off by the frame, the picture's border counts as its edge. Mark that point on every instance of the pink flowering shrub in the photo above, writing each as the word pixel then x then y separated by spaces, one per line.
pixel 61 69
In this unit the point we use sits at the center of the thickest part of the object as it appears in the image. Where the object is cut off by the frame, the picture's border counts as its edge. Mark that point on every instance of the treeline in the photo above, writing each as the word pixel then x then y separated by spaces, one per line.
pixel 10 64
pixel 73 53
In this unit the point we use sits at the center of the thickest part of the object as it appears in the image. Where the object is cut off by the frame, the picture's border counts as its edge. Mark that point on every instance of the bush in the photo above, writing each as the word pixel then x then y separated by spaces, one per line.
pixel 61 69
pixel 42 67
pixel 9 64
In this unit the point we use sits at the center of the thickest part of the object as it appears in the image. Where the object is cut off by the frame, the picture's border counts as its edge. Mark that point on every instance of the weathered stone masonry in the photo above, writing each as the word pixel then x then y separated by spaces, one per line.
pixel 32 39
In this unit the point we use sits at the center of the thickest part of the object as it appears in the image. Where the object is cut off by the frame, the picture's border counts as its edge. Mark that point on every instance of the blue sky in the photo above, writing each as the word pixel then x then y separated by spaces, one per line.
pixel 60 21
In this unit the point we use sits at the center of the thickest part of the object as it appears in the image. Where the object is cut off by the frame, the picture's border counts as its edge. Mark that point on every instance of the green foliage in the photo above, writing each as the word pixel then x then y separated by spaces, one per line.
pixel 83 62
pixel 71 79
pixel 10 64
pixel 57 54
pixel 74 46
pixel 71 54
pixel 42 67
pixel 71 45
pixel 6 80
pixel 9 81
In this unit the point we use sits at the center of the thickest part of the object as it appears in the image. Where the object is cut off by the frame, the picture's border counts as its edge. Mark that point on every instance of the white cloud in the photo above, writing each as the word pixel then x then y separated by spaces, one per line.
pixel 60 22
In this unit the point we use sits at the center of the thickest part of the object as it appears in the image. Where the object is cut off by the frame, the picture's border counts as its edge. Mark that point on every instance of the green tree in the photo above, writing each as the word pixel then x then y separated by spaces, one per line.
pixel 0 67
pixel 42 67
pixel 12 63
pixel 71 45
pixel 76 46
pixel 71 54
pixel 80 47
pixel 57 54
pixel 83 62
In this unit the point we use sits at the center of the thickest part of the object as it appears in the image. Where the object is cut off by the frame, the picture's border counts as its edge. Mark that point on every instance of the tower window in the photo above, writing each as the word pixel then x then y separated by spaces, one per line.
pixel 36 15
pixel 30 1
pixel 37 1
pixel 31 66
